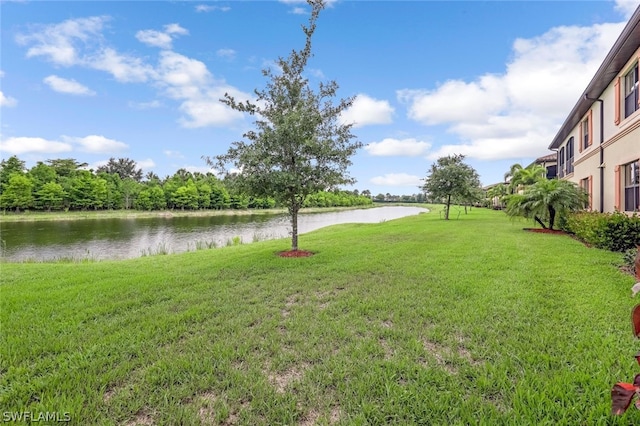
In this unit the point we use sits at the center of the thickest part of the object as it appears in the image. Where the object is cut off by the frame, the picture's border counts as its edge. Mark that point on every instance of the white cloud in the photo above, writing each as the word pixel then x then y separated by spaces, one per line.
pixel 29 145
pixel 175 29
pixel 79 42
pixel 208 8
pixel 366 110
pixel 396 179
pixel 229 54
pixel 7 101
pixel 517 113
pixel 64 85
pixel 316 73
pixel 198 169
pixel 397 147
pixel 172 154
pixel 299 11
pixel 96 165
pixel 59 43
pixel 145 105
pixel 189 80
pixel 160 39
pixel 125 69
pixel 626 7
pixel 146 164
pixel 207 112
pixel 96 144
pixel 154 38
pixel 456 101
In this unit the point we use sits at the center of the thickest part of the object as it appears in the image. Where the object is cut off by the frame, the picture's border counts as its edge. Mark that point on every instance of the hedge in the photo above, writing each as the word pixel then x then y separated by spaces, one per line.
pixel 611 231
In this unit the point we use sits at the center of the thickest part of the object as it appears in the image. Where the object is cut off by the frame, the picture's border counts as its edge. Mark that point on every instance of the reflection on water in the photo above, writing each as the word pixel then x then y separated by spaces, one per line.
pixel 128 238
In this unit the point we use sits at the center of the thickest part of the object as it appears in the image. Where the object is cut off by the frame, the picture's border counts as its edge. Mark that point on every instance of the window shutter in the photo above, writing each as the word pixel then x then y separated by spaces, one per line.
pixel 591 192
pixel 616 188
pixel 590 124
pixel 580 141
pixel 617 101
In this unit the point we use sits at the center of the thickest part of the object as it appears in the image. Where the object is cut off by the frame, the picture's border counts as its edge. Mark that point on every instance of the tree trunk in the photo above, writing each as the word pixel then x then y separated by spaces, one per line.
pixel 294 227
pixel 537 219
pixel 446 209
pixel 552 217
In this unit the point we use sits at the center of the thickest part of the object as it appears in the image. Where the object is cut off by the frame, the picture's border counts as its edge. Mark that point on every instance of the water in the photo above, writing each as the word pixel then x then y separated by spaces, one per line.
pixel 99 239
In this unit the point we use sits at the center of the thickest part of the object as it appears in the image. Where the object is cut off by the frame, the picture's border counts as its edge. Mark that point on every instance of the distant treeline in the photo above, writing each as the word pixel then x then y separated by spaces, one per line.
pixel 65 184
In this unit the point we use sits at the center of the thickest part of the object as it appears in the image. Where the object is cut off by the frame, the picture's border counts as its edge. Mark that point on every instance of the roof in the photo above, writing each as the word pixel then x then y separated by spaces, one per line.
pixel 618 56
pixel 549 157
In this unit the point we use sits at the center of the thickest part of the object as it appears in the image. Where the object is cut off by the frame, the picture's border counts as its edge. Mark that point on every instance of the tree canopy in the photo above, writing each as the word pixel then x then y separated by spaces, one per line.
pixel 124 167
pixel 450 179
pixel 299 146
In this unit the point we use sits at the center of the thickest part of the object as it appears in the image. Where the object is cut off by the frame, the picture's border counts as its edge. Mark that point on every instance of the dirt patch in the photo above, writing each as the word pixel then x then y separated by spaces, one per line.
pixel 295 253
pixel 310 419
pixel 142 419
pixel 291 301
pixel 440 353
pixel 283 379
pixel 334 417
pixel 108 394
pixel 389 352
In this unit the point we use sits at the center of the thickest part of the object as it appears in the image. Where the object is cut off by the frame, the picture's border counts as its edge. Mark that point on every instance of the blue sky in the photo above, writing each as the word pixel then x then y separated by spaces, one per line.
pixel 492 80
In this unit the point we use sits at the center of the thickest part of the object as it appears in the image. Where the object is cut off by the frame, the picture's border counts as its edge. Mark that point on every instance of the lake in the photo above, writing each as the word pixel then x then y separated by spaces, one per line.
pixel 101 239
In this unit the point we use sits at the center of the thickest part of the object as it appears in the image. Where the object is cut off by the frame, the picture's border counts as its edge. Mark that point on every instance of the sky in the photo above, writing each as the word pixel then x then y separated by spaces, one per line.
pixel 492 80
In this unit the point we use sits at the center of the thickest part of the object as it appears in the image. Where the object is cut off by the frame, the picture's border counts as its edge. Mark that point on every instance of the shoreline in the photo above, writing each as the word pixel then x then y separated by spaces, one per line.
pixel 30 216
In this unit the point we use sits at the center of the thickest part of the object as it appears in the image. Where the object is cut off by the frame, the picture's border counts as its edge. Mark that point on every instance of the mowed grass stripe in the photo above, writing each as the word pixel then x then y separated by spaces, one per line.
pixel 415 320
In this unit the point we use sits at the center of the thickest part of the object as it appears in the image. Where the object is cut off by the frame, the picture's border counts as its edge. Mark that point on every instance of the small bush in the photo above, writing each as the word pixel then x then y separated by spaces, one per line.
pixel 610 231
pixel 629 260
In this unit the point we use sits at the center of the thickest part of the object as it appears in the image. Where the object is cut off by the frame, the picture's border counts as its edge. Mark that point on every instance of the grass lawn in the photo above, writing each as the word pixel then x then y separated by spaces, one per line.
pixel 410 321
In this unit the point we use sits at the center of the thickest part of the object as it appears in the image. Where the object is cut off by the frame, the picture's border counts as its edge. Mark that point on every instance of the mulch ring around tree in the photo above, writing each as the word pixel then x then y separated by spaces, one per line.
pixel 546 231
pixel 295 253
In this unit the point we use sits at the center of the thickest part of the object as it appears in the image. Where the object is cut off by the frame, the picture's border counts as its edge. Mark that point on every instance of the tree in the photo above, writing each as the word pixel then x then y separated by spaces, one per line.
pixel 66 167
pixel 18 192
pixel 186 196
pixel 8 167
pixel 545 199
pixel 451 179
pixel 123 167
pixel 496 195
pixel 299 146
pixel 524 177
pixel 50 196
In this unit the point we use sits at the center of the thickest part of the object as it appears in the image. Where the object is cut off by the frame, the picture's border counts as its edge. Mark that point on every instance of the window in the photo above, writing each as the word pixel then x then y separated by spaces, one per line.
pixel 570 155
pixel 586 185
pixel 586 134
pixel 632 186
pixel 631 92
pixel 561 162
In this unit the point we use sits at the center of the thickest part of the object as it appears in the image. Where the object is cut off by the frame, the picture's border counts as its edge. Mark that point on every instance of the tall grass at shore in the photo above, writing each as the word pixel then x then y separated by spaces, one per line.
pixel 415 320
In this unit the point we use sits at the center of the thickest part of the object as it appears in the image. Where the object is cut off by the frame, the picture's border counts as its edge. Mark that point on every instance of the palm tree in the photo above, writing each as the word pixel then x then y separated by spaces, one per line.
pixel 524 177
pixel 512 170
pixel 496 194
pixel 545 199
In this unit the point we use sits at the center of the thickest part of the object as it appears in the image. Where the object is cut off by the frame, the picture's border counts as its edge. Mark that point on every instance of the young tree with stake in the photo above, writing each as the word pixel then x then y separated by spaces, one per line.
pixel 299 146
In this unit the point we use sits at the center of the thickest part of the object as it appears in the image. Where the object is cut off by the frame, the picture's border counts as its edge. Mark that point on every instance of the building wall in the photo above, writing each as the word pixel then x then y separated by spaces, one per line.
pixel 621 146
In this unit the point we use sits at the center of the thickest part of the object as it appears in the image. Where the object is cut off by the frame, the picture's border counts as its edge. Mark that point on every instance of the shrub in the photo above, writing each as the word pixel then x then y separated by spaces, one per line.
pixel 611 231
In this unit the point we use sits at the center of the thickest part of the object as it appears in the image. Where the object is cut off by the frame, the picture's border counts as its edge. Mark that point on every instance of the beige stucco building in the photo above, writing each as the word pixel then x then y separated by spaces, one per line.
pixel 598 146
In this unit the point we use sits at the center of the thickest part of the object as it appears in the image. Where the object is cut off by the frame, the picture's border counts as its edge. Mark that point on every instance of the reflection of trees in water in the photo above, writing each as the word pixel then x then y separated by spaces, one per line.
pixel 129 238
